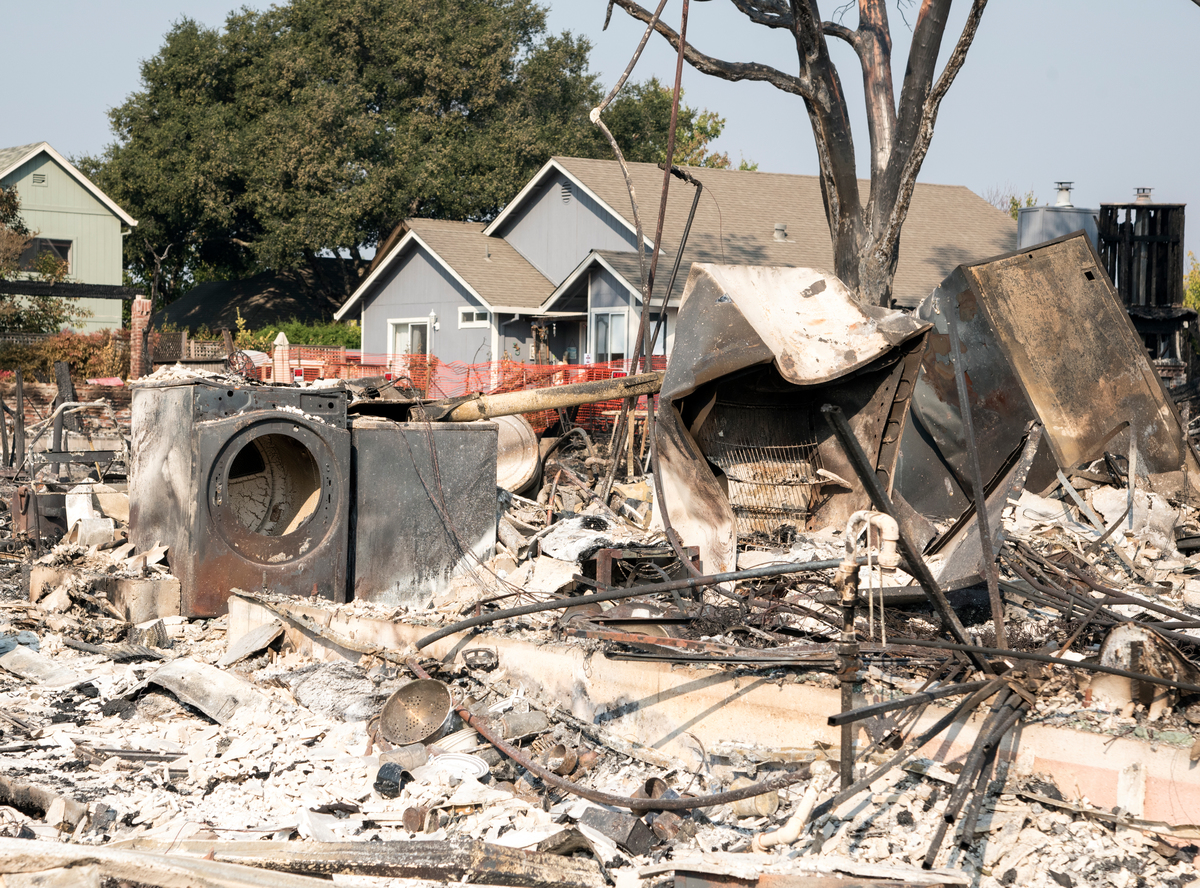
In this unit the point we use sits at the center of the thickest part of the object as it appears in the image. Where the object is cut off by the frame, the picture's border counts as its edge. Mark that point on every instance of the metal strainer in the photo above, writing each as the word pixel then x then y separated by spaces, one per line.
pixel 417 713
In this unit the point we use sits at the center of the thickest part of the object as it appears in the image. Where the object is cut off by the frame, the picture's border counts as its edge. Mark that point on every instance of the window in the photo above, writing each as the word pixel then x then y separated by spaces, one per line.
pixel 1161 346
pixel 660 344
pixel 409 337
pixel 45 255
pixel 473 317
pixel 608 336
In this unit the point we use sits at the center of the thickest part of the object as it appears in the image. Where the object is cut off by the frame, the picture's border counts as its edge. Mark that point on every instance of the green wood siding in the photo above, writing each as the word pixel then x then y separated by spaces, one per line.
pixel 63 209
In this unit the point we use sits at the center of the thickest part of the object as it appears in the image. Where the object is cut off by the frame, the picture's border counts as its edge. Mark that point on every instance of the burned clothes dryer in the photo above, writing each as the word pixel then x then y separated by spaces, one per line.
pixel 248 486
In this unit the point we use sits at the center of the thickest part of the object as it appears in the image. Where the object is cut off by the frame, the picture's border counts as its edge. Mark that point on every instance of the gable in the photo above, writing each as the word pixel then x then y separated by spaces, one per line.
pixel 557 224
pixel 48 182
pixel 44 186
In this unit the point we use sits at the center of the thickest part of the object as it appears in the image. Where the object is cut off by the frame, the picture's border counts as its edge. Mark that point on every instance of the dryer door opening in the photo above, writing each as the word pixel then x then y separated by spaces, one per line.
pixel 274 485
pixel 277 488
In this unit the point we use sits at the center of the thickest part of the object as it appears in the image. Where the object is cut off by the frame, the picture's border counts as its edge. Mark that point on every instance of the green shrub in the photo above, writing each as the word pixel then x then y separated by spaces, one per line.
pixel 90 355
pixel 298 333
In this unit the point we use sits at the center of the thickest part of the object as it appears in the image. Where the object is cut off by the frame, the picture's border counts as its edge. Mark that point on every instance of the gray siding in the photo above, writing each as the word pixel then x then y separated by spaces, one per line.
pixel 555 236
pixel 516 338
pixel 1038 224
pixel 418 285
pixel 609 292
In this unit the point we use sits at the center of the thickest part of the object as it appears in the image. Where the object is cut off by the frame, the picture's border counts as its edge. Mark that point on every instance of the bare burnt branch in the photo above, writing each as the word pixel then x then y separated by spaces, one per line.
pixel 841 32
pixel 930 107
pixel 707 64
pixel 772 13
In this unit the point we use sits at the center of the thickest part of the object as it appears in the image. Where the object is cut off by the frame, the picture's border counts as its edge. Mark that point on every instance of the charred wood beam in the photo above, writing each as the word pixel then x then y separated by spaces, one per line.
pixel 467 861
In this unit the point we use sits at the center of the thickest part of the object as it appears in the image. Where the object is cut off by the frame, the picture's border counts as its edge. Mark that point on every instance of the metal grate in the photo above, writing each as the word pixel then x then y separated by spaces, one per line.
pixel 769 485
pixel 768 452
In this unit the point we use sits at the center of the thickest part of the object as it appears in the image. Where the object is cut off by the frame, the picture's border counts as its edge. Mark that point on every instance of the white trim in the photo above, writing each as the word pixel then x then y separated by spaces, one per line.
pixel 467 325
pixel 383 266
pixel 552 164
pixel 392 323
pixel 74 173
pixel 591 337
pixel 581 268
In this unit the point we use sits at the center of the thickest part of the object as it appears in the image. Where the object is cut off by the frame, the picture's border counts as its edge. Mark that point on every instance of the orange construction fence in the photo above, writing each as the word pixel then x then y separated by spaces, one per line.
pixel 434 378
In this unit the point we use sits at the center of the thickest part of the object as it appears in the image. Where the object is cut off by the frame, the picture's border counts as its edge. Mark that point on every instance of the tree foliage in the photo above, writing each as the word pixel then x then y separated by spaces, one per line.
pixel 319 125
pixel 1009 199
pixel 1191 282
pixel 639 119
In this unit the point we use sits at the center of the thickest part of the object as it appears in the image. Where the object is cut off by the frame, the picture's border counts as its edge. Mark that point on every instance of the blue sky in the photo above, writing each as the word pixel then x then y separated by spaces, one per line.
pixel 1095 91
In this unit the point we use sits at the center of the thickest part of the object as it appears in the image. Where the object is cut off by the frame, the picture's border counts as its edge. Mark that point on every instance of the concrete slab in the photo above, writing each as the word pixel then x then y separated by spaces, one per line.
pixel 665 706
pixel 147 598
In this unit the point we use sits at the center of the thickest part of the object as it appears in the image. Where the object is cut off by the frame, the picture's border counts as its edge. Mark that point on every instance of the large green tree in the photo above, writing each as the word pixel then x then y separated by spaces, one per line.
pixel 320 124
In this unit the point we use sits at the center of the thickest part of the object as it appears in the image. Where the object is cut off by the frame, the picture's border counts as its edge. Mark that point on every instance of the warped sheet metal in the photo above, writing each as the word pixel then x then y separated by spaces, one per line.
pixel 1044 336
pixel 1079 361
pixel 741 444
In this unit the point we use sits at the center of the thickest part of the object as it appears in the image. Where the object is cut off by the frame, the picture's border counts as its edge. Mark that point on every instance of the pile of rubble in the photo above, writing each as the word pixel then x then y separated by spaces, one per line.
pixel 734 643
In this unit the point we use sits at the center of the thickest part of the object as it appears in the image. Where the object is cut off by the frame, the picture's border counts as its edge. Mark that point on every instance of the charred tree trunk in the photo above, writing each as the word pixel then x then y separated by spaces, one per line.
pixel 865 236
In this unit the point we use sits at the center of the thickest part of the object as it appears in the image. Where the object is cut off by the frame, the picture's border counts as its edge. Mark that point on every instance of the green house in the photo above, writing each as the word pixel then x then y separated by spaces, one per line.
pixel 73 220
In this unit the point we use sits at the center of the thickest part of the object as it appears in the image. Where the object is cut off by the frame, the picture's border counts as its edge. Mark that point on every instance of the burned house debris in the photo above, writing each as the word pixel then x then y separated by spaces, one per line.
pixel 764 638
pixel 1141 246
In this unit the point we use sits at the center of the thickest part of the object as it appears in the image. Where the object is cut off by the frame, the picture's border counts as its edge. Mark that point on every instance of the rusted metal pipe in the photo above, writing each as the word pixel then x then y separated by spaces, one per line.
pixel 883 503
pixel 983 520
pixel 964 706
pixel 767 570
pixel 663 804
pixel 1056 661
pixel 874 709
pixel 555 396
pixel 848 663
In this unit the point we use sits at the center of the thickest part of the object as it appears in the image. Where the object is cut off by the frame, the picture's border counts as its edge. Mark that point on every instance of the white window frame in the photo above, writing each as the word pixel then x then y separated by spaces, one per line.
pixel 592 349
pixel 464 325
pixel 393 323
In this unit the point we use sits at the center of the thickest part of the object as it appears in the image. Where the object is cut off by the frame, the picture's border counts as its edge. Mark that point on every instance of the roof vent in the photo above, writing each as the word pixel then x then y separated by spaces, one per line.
pixel 1064 194
pixel 39 178
pixel 565 188
pixel 780 231
pixel 1143 195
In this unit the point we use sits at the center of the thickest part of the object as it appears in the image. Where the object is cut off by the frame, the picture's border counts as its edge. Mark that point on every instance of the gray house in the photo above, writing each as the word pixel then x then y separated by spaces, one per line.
pixel 555 276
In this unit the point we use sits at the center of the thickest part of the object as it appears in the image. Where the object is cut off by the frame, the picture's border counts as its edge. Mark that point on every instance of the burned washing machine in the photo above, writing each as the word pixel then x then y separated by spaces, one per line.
pixel 248 486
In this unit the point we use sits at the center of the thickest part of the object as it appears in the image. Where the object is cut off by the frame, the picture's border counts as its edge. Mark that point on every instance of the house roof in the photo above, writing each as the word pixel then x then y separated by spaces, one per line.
pixel 11 158
pixel 310 293
pixel 488 267
pixel 947 225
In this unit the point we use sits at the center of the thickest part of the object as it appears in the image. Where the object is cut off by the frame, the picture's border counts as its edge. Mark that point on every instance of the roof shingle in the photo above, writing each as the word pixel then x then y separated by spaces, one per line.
pixel 735 222
pixel 490 265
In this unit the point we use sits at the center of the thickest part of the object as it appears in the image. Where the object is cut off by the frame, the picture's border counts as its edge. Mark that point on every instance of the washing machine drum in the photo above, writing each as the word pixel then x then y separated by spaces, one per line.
pixel 276 502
